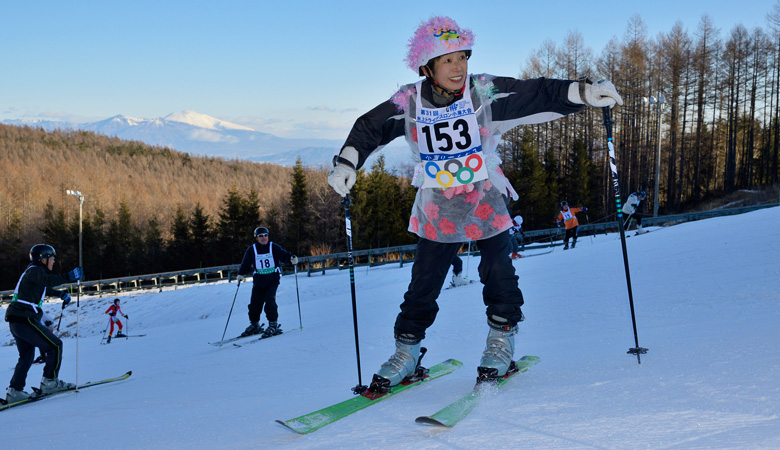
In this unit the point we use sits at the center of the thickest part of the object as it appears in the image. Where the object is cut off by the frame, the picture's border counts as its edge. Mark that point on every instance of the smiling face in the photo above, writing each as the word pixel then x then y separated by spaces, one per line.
pixel 450 70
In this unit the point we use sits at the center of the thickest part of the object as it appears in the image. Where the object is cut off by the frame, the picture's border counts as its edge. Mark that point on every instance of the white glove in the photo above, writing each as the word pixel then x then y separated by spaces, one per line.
pixel 47 321
pixel 342 177
pixel 293 259
pixel 599 94
pixel 240 278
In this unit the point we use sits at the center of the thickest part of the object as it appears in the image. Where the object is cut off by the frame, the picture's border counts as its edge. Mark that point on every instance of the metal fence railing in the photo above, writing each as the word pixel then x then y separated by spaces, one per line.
pixel 534 239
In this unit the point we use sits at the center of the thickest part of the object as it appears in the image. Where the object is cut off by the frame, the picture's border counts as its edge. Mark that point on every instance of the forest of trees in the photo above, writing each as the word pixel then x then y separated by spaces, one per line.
pixel 150 209
pixel 720 122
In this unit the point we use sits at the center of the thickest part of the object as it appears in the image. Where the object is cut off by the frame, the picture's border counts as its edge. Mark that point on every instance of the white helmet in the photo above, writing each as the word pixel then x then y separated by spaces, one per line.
pixel 438 36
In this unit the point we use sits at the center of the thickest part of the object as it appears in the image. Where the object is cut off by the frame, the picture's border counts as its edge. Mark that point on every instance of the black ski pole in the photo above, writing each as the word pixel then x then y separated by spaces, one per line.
pixel 230 313
pixel 104 331
pixel 298 294
pixel 360 388
pixel 60 321
pixel 616 185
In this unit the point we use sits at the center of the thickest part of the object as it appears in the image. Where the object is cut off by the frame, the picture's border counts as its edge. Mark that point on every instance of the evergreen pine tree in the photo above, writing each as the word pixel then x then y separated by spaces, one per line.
pixel 202 235
pixel 153 246
pixel 56 233
pixel 13 256
pixel 579 176
pixel 298 233
pixel 120 237
pixel 179 245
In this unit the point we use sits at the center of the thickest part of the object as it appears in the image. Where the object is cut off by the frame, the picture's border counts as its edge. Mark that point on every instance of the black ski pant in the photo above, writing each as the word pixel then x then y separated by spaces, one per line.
pixel 30 333
pixel 571 232
pixel 457 264
pixel 432 260
pixel 637 218
pixel 263 296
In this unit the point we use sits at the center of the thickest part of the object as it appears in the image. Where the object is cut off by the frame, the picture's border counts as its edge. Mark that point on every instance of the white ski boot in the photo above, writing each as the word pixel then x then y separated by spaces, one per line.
pixel 400 365
pixel 499 351
pixel 459 280
pixel 13 396
pixel 52 385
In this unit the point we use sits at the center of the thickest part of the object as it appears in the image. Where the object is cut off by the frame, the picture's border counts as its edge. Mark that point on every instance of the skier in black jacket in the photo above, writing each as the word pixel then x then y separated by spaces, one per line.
pixel 262 260
pixel 24 316
pixel 453 121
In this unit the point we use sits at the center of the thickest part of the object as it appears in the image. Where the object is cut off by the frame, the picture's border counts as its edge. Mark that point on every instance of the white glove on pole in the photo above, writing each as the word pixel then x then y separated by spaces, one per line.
pixel 294 259
pixel 240 278
pixel 599 94
pixel 342 177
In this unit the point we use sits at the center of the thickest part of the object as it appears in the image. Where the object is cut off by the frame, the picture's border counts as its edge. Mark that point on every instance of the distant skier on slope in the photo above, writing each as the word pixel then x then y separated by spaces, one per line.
pixel 568 219
pixel 634 207
pixel 453 122
pixel 516 231
pixel 113 311
pixel 262 259
pixel 24 316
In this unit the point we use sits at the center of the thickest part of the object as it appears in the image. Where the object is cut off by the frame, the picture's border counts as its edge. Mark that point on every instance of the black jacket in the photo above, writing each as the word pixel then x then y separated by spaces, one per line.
pixel 31 287
pixel 516 102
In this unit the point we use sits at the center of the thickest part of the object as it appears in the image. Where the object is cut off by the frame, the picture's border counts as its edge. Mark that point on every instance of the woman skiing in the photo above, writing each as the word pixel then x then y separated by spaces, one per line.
pixel 453 122
pixel 113 311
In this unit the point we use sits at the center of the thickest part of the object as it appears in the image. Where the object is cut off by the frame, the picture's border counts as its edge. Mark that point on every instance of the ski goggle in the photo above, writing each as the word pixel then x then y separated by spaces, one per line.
pixel 262 235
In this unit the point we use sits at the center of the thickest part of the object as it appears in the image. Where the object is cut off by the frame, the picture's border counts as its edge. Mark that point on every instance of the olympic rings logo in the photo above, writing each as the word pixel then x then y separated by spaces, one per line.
pixel 446 34
pixel 447 175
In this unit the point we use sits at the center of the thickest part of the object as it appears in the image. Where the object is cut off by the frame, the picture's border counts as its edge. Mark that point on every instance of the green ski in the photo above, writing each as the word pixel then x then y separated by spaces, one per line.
pixel 457 410
pixel 315 420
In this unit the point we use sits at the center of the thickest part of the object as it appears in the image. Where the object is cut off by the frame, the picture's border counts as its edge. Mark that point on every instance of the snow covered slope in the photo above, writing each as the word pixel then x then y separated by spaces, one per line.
pixel 707 307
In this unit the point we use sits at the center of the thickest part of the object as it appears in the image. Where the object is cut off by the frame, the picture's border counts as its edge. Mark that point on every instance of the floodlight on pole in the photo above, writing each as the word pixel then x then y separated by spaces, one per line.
pixel 659 105
pixel 80 196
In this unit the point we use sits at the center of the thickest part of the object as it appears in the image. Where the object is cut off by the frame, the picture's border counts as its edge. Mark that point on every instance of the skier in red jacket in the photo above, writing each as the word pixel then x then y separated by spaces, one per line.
pixel 113 311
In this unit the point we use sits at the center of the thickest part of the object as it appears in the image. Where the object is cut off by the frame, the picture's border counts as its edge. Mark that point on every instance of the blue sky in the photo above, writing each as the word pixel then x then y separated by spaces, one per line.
pixel 303 69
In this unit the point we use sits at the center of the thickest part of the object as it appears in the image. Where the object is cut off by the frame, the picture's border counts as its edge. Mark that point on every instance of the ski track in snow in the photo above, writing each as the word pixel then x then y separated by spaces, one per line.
pixel 706 307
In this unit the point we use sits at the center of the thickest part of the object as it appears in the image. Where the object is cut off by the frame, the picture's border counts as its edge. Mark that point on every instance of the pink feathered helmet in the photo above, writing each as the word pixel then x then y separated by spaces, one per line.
pixel 437 36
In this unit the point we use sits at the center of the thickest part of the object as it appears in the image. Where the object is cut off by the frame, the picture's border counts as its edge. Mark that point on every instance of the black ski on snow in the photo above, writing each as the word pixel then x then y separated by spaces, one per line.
pixel 452 286
pixel 535 254
pixel 261 338
pixel 234 339
pixel 4 405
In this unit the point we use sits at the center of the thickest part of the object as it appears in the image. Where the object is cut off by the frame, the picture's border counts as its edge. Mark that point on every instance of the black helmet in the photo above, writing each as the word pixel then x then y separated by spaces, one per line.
pixel 564 203
pixel 41 251
pixel 642 194
pixel 116 300
pixel 261 230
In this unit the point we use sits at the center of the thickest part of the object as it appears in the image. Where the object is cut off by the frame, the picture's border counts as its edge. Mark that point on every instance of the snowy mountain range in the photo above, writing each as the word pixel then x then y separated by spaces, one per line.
pixel 203 135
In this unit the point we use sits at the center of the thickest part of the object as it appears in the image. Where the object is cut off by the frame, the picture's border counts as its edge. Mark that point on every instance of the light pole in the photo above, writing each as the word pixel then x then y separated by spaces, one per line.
pixel 80 196
pixel 660 107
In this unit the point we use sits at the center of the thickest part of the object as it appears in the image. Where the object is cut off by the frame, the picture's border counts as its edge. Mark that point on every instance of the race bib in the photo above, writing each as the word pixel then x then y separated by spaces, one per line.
pixel 264 262
pixel 449 143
